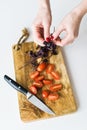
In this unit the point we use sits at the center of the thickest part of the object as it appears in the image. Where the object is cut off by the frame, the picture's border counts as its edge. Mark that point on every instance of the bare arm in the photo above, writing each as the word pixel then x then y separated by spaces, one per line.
pixel 42 22
pixel 44 4
pixel 70 24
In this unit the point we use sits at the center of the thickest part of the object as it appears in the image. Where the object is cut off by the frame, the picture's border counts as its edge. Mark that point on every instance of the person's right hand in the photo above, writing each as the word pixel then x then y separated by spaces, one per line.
pixel 70 24
pixel 41 25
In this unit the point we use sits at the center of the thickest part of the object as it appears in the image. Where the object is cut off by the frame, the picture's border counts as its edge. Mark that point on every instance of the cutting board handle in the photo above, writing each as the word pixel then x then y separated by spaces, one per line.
pixel 22 39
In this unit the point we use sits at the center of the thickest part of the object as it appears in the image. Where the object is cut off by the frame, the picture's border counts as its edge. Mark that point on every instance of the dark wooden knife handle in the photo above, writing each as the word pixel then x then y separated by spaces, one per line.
pixel 15 85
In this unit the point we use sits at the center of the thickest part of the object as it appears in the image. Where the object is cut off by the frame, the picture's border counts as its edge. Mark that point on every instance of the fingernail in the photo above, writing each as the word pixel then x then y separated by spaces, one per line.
pixel 48 39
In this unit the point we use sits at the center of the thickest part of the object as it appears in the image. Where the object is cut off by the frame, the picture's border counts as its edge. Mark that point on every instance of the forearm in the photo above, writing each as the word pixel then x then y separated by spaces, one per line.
pixel 81 9
pixel 84 5
pixel 44 4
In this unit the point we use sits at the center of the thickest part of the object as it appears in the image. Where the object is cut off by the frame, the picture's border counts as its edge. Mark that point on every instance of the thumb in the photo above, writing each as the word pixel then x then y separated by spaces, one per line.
pixel 58 31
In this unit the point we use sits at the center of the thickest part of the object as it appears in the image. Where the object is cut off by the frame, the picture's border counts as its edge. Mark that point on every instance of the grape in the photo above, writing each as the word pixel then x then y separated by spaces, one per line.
pixel 43 52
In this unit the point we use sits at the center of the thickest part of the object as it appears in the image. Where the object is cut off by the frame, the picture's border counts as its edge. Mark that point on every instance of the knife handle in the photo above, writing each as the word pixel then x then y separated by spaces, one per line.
pixel 15 85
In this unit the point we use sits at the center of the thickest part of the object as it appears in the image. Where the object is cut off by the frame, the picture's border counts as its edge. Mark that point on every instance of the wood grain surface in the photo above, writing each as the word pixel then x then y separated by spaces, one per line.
pixel 28 112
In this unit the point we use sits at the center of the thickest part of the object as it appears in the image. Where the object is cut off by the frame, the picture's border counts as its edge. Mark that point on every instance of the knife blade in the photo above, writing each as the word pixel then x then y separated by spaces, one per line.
pixel 31 98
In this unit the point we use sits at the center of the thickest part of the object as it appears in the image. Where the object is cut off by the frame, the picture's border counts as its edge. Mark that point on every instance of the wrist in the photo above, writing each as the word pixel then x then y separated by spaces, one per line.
pixel 81 9
pixel 45 4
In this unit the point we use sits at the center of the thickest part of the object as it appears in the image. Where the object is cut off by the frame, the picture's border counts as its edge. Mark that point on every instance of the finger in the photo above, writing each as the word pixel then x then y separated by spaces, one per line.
pixel 68 39
pixel 46 31
pixel 38 35
pixel 39 42
pixel 65 41
pixel 59 30
pixel 57 41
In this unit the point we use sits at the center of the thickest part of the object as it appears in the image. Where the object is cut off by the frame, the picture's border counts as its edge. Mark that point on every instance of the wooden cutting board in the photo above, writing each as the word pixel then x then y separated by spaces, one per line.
pixel 28 112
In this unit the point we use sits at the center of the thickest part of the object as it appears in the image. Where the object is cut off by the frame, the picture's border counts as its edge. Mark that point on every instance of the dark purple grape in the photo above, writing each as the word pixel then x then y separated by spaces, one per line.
pixel 32 54
pixel 34 63
pixel 45 43
pixel 53 46
pixel 44 49
pixel 45 60
pixel 43 52
pixel 40 53
pixel 54 52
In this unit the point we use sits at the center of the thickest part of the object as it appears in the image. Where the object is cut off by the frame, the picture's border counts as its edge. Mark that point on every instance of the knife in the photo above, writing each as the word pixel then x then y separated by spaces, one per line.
pixel 31 98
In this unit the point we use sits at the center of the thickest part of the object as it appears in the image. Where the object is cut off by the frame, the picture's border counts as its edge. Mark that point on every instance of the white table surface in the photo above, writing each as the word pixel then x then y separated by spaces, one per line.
pixel 14 16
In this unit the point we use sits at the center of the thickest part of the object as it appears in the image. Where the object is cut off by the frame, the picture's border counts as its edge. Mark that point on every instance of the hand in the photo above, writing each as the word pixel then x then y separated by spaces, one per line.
pixel 70 24
pixel 41 26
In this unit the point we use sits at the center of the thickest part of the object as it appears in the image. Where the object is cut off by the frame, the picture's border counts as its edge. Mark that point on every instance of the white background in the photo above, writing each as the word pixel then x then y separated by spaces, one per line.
pixel 14 16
